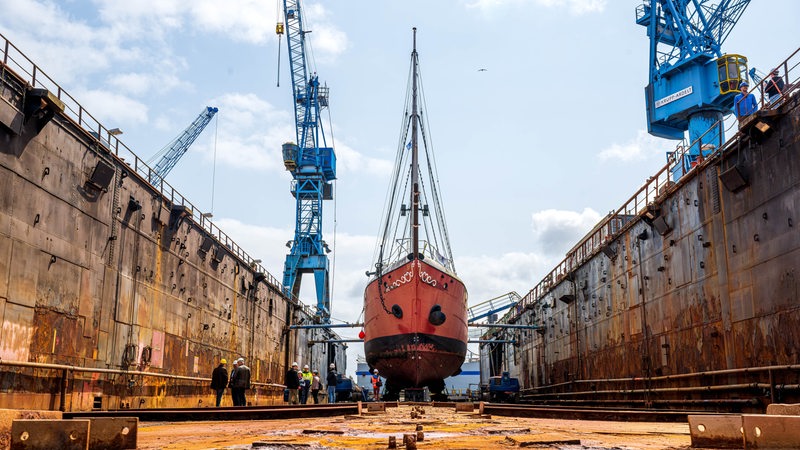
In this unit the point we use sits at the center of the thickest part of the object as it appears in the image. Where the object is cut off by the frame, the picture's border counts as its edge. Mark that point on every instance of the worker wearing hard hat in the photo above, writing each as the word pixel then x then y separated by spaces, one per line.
pixel 219 379
pixel 376 385
pixel 292 383
pixel 331 382
pixel 744 103
pixel 305 377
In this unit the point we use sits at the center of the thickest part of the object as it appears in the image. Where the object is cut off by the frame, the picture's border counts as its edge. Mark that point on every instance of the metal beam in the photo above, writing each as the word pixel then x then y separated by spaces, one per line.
pixel 504 325
pixel 326 325
pixel 334 341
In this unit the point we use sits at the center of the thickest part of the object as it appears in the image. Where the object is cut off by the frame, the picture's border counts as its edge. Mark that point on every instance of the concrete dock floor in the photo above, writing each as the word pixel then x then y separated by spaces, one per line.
pixel 441 428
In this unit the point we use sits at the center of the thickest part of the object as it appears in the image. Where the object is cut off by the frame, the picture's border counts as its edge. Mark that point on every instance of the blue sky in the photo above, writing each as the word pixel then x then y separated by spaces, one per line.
pixel 532 152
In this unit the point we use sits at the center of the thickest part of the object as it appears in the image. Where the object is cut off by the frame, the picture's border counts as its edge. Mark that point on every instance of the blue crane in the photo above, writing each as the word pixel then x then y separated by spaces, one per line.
pixel 312 165
pixel 692 84
pixel 173 151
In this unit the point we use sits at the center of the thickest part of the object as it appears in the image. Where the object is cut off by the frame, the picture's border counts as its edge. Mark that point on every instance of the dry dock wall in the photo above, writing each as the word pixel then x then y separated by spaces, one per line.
pixel 115 293
pixel 690 300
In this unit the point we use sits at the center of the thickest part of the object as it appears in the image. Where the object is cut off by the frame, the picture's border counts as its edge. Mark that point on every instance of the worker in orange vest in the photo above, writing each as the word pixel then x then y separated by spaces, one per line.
pixel 376 385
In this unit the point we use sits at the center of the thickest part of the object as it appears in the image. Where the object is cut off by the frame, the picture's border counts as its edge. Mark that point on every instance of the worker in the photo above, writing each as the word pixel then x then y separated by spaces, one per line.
pixel 241 382
pixel 306 378
pixel 744 103
pixel 331 382
pixel 219 380
pixel 376 385
pixel 292 383
pixel 234 398
pixel 774 87
pixel 316 385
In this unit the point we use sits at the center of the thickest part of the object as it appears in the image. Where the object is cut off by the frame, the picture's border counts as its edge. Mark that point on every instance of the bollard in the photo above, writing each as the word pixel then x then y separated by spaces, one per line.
pixel 420 436
pixel 410 441
pixel 419 427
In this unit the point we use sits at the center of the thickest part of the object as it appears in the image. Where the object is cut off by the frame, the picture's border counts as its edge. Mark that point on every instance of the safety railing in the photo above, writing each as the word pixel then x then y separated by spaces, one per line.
pixel 14 61
pixel 658 186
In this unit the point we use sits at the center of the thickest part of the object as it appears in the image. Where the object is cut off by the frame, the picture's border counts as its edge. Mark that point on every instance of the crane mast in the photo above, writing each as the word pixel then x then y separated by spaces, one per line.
pixel 312 165
pixel 691 83
pixel 177 147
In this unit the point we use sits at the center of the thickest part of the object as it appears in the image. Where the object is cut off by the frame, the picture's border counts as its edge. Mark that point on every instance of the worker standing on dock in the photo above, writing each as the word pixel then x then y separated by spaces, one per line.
pixel 230 383
pixel 376 386
pixel 744 104
pixel 305 378
pixel 241 382
pixel 331 381
pixel 774 87
pixel 316 385
pixel 219 380
pixel 292 383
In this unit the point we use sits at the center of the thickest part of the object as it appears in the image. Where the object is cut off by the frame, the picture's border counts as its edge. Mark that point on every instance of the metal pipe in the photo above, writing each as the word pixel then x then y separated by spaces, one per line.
pixel 724 387
pixel 676 377
pixel 326 325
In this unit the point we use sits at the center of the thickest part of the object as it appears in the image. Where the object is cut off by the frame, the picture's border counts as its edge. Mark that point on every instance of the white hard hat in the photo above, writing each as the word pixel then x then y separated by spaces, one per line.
pixel 376 371
pixel 333 365
pixel 294 364
pixel 305 367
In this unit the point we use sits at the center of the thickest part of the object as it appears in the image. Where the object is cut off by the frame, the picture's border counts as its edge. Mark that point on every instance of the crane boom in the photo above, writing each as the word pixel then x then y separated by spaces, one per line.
pixel 312 165
pixel 173 151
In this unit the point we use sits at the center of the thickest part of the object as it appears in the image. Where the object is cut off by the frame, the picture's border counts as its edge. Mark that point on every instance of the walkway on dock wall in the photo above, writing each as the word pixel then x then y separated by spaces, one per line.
pixel 115 293
pixel 687 295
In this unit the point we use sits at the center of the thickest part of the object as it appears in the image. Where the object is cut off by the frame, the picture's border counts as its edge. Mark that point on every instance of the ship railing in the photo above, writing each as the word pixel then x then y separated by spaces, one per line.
pixel 15 62
pixel 402 248
pixel 648 198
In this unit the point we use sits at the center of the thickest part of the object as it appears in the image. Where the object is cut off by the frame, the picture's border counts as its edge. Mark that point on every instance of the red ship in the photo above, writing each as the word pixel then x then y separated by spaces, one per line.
pixel 415 306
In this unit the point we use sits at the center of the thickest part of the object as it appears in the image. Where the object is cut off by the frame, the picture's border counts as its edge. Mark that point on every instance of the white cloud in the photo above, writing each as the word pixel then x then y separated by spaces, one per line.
pixel 112 109
pixel 247 20
pixel 575 6
pixel 643 146
pixel 557 231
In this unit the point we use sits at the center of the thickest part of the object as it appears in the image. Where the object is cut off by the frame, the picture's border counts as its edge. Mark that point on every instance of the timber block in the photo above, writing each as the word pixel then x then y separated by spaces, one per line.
pixel 47 434
pixel 376 407
pixel 465 407
pixel 783 409
pixel 716 431
pixel 774 432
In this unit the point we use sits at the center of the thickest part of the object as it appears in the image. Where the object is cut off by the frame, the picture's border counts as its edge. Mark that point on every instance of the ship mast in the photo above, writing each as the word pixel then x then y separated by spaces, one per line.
pixel 414 154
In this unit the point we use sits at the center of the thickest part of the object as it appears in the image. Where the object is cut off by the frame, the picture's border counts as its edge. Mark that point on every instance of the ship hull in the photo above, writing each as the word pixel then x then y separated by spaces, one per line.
pixel 416 349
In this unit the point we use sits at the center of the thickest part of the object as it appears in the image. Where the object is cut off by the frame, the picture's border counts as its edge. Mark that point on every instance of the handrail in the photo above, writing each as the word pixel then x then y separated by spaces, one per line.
pixel 14 61
pixel 50 366
pixel 657 186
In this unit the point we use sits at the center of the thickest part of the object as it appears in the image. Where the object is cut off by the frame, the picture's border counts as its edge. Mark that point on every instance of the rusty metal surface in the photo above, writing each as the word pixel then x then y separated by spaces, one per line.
pixel 771 432
pixel 224 414
pixel 113 433
pixel 90 278
pixel 611 414
pixel 48 434
pixel 716 431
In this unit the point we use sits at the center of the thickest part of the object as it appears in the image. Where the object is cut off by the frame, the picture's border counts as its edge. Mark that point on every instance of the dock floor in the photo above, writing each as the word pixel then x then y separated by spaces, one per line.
pixel 441 428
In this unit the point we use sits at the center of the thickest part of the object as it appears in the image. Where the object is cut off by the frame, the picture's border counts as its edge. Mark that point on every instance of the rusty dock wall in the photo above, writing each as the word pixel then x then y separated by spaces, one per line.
pixel 115 292
pixel 687 296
